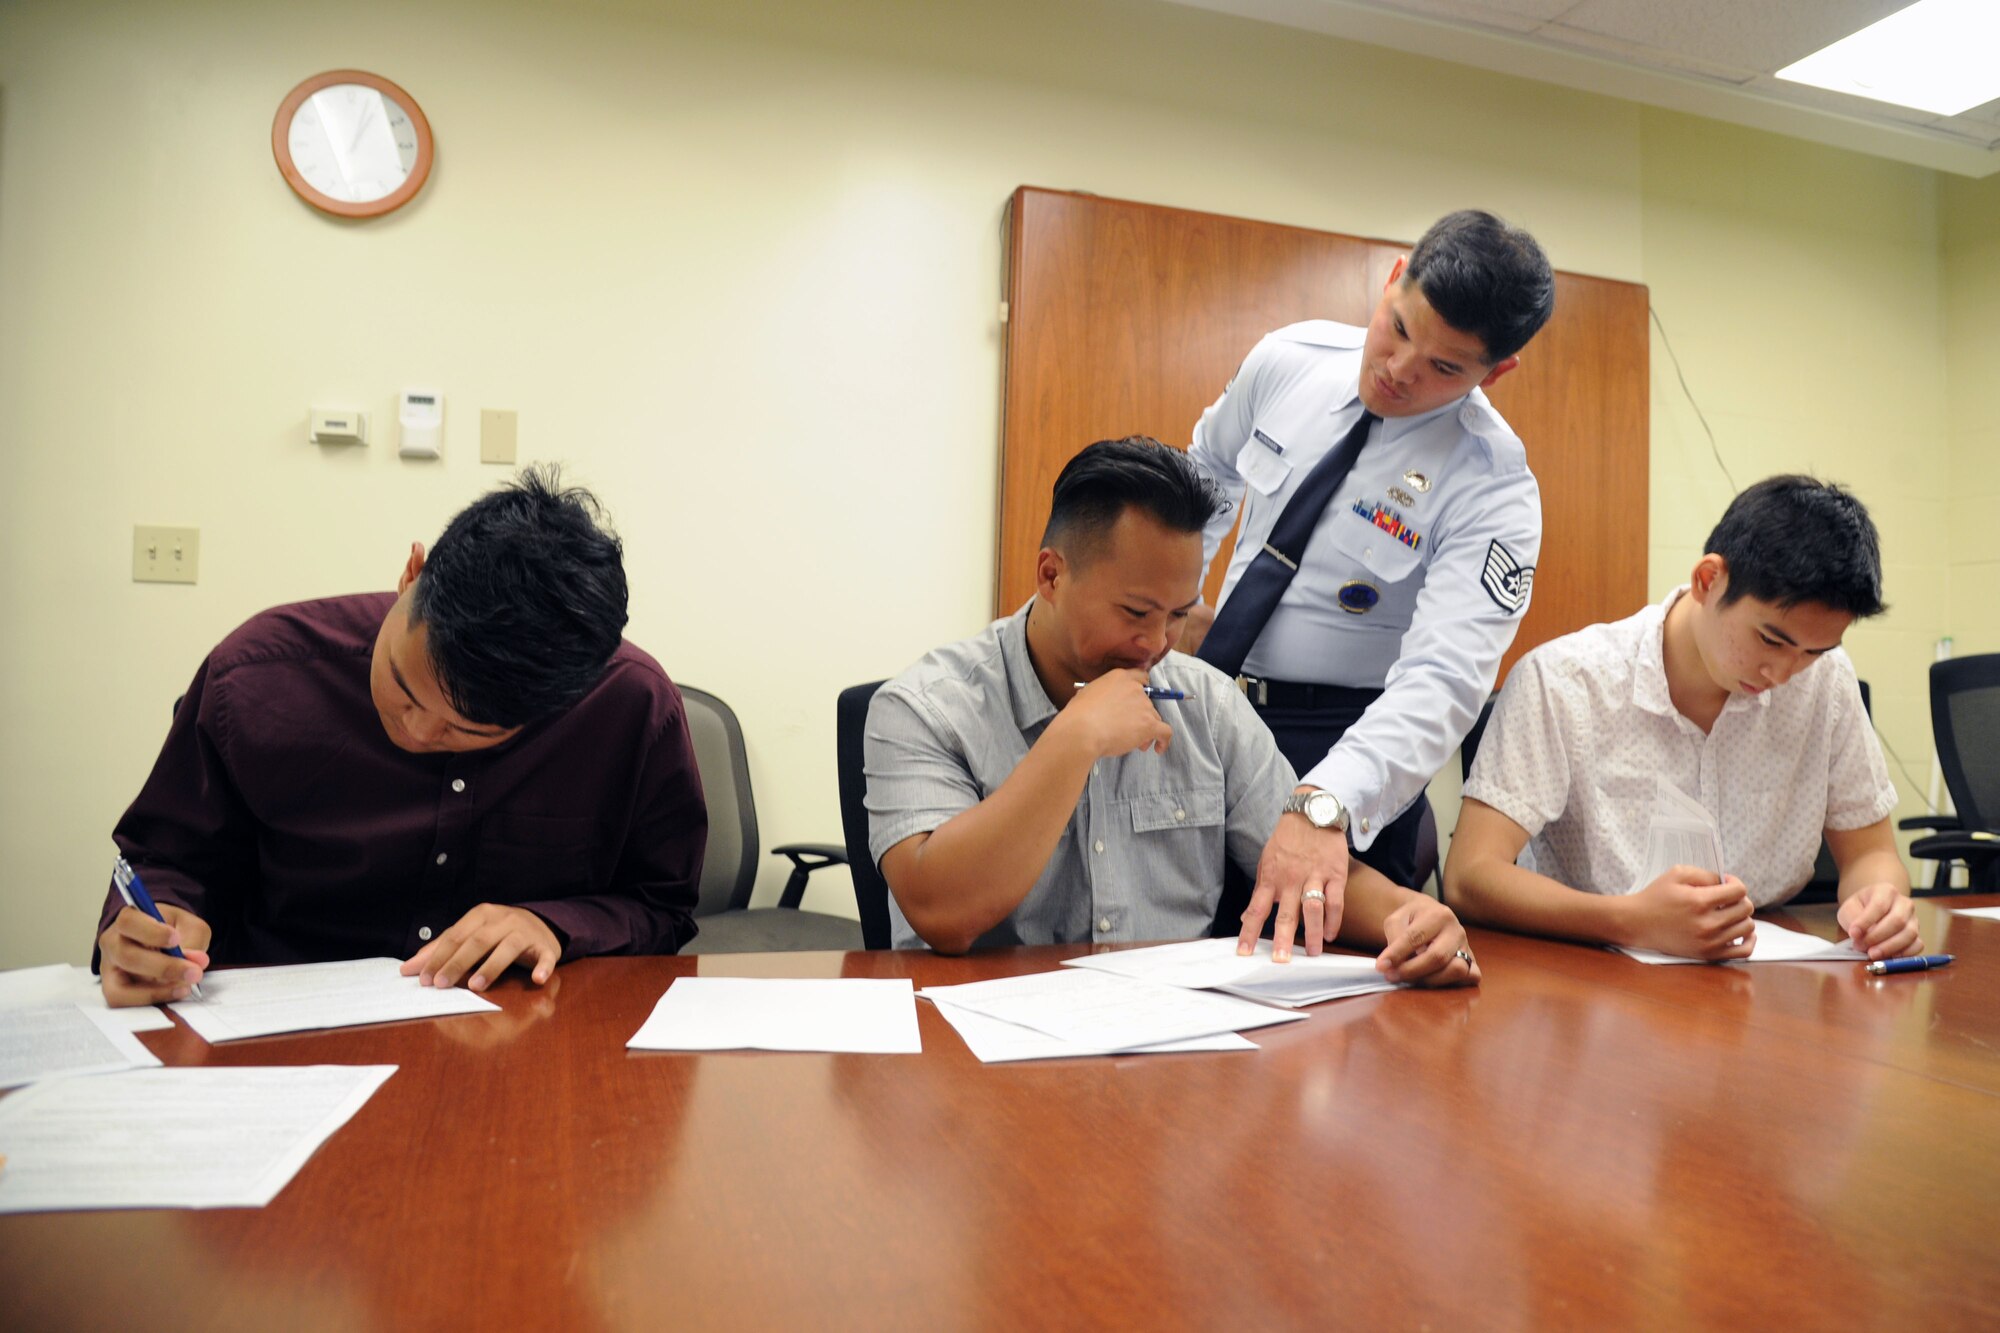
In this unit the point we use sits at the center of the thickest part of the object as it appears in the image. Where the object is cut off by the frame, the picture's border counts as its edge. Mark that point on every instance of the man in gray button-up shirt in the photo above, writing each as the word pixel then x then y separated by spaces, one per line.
pixel 1063 777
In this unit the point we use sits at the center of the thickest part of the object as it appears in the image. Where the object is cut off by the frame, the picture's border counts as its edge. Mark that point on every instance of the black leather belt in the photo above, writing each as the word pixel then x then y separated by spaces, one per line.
pixel 1298 694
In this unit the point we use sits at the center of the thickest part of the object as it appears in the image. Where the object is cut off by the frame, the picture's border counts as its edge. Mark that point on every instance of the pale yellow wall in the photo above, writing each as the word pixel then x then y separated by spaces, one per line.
pixel 1972 351
pixel 1800 286
pixel 739 268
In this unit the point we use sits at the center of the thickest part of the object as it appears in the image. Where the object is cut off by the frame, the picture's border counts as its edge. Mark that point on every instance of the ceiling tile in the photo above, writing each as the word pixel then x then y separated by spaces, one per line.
pixel 1504 15
pixel 1649 57
pixel 1763 35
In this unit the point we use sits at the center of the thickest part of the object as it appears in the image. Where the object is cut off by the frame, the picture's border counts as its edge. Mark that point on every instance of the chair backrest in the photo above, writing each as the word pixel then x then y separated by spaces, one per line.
pixel 871 891
pixel 1469 747
pixel 1965 723
pixel 729 867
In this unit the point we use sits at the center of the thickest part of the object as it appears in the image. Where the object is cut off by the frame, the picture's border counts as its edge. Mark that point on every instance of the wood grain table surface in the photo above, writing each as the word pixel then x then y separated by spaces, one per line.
pixel 1582 1142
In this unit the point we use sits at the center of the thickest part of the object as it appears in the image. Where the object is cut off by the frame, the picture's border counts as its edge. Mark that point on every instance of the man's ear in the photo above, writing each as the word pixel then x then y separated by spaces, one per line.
pixel 1709 579
pixel 1499 368
pixel 1051 568
pixel 1395 273
pixel 411 568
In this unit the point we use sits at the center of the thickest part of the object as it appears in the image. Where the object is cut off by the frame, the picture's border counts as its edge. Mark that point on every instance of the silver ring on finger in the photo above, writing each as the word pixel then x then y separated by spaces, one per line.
pixel 1312 896
pixel 1466 954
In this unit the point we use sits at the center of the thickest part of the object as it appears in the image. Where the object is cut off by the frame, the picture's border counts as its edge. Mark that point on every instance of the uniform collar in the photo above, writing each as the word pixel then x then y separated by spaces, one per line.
pixel 1025 694
pixel 1392 428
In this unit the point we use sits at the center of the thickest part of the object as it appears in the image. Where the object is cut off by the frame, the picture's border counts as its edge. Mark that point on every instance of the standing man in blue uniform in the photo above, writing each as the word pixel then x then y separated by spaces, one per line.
pixel 1390 532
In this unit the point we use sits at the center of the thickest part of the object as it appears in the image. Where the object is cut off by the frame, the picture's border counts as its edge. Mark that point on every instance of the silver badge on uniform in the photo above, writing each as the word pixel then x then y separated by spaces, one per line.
pixel 1418 481
pixel 1402 497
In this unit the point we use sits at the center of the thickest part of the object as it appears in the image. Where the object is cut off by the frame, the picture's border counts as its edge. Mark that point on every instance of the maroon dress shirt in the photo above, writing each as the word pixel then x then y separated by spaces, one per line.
pixel 280 812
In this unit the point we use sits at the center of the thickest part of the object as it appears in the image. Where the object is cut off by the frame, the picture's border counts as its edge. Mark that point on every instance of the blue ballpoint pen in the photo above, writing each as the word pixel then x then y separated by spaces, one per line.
pixel 1923 963
pixel 135 895
pixel 1155 692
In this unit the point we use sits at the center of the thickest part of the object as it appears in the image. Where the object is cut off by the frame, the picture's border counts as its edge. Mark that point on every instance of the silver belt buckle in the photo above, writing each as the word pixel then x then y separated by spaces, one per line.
pixel 1254 690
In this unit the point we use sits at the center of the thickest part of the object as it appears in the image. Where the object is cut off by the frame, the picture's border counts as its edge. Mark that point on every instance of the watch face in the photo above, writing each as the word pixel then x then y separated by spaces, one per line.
pixel 353 143
pixel 1323 808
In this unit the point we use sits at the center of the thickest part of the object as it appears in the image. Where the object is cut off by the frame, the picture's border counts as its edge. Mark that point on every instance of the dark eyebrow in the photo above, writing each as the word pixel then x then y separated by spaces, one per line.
pixel 1780 635
pixel 404 686
pixel 1135 599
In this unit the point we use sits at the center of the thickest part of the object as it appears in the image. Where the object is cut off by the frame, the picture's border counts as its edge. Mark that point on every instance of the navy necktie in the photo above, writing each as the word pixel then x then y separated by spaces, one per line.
pixel 1255 596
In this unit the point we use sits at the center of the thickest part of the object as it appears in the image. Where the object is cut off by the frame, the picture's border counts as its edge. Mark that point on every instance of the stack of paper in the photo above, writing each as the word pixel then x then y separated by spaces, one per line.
pixel 79 985
pixel 39 1041
pixel 1095 1013
pixel 172 1138
pixel 1214 965
pixel 1774 944
pixel 1682 833
pixel 260 1001
pixel 1989 913
pixel 783 1014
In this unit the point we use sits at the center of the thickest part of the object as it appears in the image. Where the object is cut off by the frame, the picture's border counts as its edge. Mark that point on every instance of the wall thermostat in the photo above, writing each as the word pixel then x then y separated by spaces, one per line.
pixel 421 413
pixel 338 425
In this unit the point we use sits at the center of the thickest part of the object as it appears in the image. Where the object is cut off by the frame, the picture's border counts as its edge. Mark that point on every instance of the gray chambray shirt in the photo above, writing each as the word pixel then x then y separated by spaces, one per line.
pixel 1142 857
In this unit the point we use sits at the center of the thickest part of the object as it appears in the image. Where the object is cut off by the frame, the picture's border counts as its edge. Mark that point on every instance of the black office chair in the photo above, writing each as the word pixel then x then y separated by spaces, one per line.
pixel 871 891
pixel 1469 747
pixel 1965 726
pixel 729 870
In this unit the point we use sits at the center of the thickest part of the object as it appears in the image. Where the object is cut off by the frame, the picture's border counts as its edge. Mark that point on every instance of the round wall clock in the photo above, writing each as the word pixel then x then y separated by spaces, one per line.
pixel 352 143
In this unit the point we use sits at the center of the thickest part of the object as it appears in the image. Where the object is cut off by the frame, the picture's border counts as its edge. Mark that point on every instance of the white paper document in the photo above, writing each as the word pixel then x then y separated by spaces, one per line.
pixel 1682 833
pixel 995 1042
pixel 172 1138
pixel 39 1041
pixel 1102 1012
pixel 1774 944
pixel 79 985
pixel 1214 965
pixel 859 1014
pixel 301 997
pixel 1989 913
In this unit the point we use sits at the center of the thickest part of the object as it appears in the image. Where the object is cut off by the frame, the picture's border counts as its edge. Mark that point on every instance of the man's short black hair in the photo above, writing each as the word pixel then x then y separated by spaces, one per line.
pixel 523 599
pixel 1484 278
pixel 1107 477
pixel 1790 540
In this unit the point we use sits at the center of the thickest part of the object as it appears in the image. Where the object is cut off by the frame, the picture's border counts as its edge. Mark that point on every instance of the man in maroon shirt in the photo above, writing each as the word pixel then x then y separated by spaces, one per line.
pixel 473 773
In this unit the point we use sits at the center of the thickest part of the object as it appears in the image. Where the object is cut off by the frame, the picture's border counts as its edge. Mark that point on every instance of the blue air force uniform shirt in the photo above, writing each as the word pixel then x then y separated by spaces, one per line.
pixel 1417 575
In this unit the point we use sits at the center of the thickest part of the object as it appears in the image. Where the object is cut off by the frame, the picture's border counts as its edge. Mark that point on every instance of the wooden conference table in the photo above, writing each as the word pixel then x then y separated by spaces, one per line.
pixel 1582 1142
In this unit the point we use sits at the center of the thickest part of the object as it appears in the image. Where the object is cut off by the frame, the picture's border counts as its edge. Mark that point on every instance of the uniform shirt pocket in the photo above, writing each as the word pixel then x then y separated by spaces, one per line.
pixel 1381 553
pixel 1264 467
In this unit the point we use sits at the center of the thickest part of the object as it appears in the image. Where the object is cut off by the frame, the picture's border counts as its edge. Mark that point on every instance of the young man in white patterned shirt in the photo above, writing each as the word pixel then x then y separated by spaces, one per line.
pixel 1735 691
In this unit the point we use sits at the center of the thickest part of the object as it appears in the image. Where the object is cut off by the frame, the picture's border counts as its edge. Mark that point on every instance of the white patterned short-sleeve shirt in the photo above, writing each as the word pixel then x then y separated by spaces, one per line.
pixel 1585 728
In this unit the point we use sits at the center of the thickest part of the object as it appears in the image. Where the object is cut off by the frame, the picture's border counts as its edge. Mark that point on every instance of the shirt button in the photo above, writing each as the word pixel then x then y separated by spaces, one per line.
pixel 1098 845
pixel 1180 814
pixel 1368 551
pixel 458 784
pixel 440 858
pixel 1104 925
pixel 423 932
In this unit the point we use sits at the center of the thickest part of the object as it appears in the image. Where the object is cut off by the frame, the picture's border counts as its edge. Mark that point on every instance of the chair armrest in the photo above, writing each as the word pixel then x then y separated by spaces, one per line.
pixel 1972 846
pixel 1941 823
pixel 806 857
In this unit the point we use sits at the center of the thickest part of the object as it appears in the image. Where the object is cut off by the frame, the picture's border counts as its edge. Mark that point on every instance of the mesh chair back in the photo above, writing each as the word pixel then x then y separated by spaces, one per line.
pixel 1469 747
pixel 871 891
pixel 1965 721
pixel 729 867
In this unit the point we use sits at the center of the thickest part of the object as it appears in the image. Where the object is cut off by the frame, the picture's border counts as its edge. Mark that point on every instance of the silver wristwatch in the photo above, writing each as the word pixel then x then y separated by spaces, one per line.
pixel 1323 808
